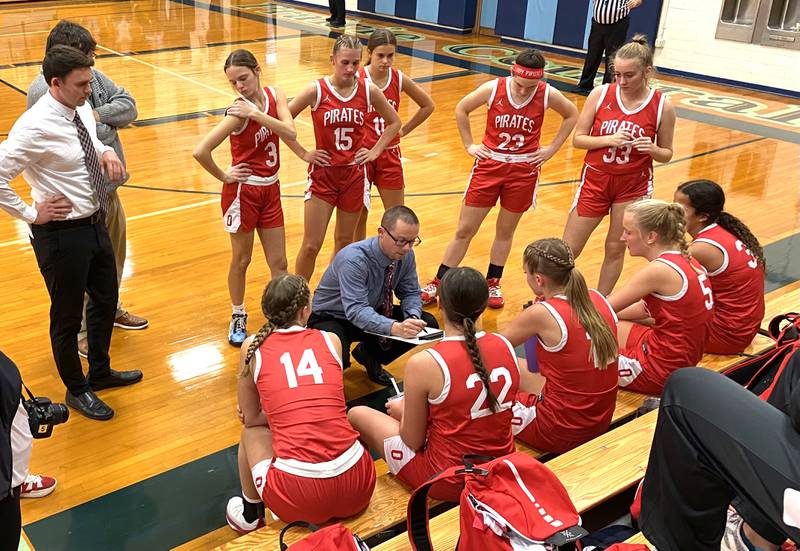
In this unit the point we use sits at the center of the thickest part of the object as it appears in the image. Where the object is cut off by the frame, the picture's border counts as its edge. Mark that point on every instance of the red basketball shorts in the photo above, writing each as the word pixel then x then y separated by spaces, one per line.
pixel 635 372
pixel 386 172
pixel 246 207
pixel 345 187
pixel 316 500
pixel 513 183
pixel 414 468
pixel 598 190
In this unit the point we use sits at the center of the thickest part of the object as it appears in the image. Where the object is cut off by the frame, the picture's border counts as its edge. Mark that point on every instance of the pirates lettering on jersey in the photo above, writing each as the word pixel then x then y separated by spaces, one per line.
pixel 511 127
pixel 339 122
pixel 611 117
pixel 262 135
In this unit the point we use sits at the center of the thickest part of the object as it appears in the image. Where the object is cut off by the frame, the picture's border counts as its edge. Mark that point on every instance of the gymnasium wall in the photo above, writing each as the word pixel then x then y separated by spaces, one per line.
pixel 689 46
pixel 456 14
pixel 562 23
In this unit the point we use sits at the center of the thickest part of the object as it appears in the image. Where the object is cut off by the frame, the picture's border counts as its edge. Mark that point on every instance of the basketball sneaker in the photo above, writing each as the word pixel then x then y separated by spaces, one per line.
pixel 234 514
pixel 496 299
pixel 732 537
pixel 37 486
pixel 430 292
pixel 237 332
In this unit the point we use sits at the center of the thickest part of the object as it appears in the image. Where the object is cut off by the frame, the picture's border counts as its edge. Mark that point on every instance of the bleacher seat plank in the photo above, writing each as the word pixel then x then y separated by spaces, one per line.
pixel 591 473
pixel 639 538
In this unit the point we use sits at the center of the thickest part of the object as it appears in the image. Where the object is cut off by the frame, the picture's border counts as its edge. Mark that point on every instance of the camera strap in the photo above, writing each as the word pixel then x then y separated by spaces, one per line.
pixel 30 394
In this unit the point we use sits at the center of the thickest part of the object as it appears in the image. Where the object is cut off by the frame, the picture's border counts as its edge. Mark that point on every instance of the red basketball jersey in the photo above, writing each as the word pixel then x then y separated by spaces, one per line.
pixel 460 420
pixel 257 145
pixel 611 117
pixel 738 286
pixel 339 122
pixel 298 375
pixel 513 128
pixel 577 397
pixel 679 331
pixel 391 91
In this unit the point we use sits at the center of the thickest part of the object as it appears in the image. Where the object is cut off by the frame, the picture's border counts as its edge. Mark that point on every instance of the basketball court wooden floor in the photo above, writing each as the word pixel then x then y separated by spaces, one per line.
pixel 158 475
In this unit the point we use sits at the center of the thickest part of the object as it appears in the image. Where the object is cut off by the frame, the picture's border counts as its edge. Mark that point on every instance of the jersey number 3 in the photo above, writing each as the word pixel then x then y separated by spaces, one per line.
pixel 308 367
pixel 476 412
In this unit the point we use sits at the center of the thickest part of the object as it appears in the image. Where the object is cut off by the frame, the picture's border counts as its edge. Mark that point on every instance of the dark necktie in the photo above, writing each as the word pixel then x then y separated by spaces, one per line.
pixel 92 165
pixel 387 307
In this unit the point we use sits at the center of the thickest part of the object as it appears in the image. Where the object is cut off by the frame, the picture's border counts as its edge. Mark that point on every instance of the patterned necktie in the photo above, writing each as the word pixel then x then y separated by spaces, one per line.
pixel 92 165
pixel 387 308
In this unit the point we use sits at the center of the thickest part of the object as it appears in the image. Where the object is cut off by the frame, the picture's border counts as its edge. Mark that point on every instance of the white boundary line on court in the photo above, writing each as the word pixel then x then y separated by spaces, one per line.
pixel 157 213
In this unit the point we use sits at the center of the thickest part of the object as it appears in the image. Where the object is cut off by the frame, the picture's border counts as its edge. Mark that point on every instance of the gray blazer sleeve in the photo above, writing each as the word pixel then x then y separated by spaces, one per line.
pixel 36 90
pixel 115 106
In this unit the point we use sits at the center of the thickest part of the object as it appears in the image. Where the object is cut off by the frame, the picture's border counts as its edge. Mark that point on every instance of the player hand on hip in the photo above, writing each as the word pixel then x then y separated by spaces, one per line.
pixel 365 155
pixel 479 151
pixel 318 157
pixel 238 173
pixel 112 167
pixel 542 155
pixel 54 207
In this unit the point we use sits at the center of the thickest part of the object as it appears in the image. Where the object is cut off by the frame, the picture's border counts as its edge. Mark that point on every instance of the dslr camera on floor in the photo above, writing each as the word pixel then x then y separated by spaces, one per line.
pixel 43 414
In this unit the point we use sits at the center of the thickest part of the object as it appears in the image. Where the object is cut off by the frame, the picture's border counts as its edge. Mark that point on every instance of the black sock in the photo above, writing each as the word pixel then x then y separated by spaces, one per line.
pixel 494 271
pixel 442 270
pixel 252 511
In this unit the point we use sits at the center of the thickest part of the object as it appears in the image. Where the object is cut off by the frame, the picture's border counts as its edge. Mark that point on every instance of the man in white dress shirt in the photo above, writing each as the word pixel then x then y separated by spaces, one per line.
pixel 54 144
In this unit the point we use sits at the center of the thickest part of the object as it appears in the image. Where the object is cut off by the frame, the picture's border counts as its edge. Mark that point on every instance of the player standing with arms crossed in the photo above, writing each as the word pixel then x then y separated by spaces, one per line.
pixel 386 172
pixel 336 172
pixel 507 162
pixel 251 195
pixel 624 126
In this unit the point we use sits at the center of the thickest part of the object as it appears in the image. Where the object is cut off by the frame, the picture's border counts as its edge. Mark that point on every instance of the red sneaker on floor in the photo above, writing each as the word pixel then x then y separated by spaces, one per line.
pixel 234 514
pixel 37 486
pixel 496 299
pixel 430 292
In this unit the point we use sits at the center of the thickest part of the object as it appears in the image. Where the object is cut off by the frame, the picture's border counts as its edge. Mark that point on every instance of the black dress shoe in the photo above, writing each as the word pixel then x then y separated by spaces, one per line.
pixel 581 91
pixel 116 378
pixel 328 19
pixel 336 23
pixel 88 404
pixel 375 372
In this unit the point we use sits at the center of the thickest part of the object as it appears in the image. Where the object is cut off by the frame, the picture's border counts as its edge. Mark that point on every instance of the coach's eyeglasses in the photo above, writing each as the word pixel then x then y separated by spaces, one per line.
pixel 403 242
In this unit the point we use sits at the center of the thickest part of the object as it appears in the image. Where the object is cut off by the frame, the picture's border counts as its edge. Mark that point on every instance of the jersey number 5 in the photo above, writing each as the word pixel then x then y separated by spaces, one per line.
pixel 308 367
pixel 476 412
pixel 706 291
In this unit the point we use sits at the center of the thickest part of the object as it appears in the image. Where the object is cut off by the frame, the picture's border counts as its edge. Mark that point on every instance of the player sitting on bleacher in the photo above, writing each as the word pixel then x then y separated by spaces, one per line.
pixel 458 394
pixel 664 308
pixel 575 335
pixel 734 259
pixel 298 454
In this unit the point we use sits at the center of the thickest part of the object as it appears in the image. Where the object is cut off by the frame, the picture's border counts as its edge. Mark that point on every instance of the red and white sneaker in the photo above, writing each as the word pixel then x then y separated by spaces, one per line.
pixel 430 292
pixel 37 486
pixel 496 299
pixel 234 514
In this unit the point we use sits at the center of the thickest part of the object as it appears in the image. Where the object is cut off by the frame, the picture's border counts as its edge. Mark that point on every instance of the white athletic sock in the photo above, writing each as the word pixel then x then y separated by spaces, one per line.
pixel 238 309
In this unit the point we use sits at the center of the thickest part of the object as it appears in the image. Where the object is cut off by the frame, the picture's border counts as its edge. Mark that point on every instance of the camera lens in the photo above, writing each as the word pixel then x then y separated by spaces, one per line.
pixel 58 413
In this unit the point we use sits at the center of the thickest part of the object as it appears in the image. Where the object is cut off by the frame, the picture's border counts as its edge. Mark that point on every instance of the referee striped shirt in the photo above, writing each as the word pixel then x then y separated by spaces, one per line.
pixel 607 12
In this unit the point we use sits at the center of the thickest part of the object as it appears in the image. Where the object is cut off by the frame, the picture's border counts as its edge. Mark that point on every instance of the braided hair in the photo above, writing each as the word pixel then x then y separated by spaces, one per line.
pixel 553 259
pixel 668 220
pixel 708 199
pixel 283 298
pixel 463 295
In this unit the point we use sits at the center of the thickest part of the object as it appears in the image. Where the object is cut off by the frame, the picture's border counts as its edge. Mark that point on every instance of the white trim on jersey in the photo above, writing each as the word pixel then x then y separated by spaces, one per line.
pixel 254 180
pixel 257 367
pixel 561 325
pixel 367 198
pixel 478 335
pixel 234 212
pixel 494 92
pixel 661 101
pixel 649 183
pixel 445 373
pixel 399 80
pixel 332 90
pixel 602 296
pixel 547 89
pixel 641 106
pixel 580 187
pixel 725 257
pixel 369 100
pixel 510 348
pixel 685 285
pixel 319 96
pixel 511 98
pixel 292 329
pixel 603 93
pixel 331 348
pixel 326 469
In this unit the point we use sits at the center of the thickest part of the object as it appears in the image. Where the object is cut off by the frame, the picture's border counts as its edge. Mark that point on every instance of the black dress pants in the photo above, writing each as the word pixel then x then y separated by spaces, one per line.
pixel 716 442
pixel 75 256
pixel 337 10
pixel 10 521
pixel 349 333
pixel 604 40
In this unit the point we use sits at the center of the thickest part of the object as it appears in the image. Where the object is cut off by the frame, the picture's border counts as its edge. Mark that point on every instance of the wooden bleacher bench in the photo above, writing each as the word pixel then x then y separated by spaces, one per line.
pixel 639 538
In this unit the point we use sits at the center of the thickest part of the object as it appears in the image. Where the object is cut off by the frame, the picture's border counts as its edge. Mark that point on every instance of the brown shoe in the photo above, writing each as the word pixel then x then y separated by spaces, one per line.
pixel 129 321
pixel 83 348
